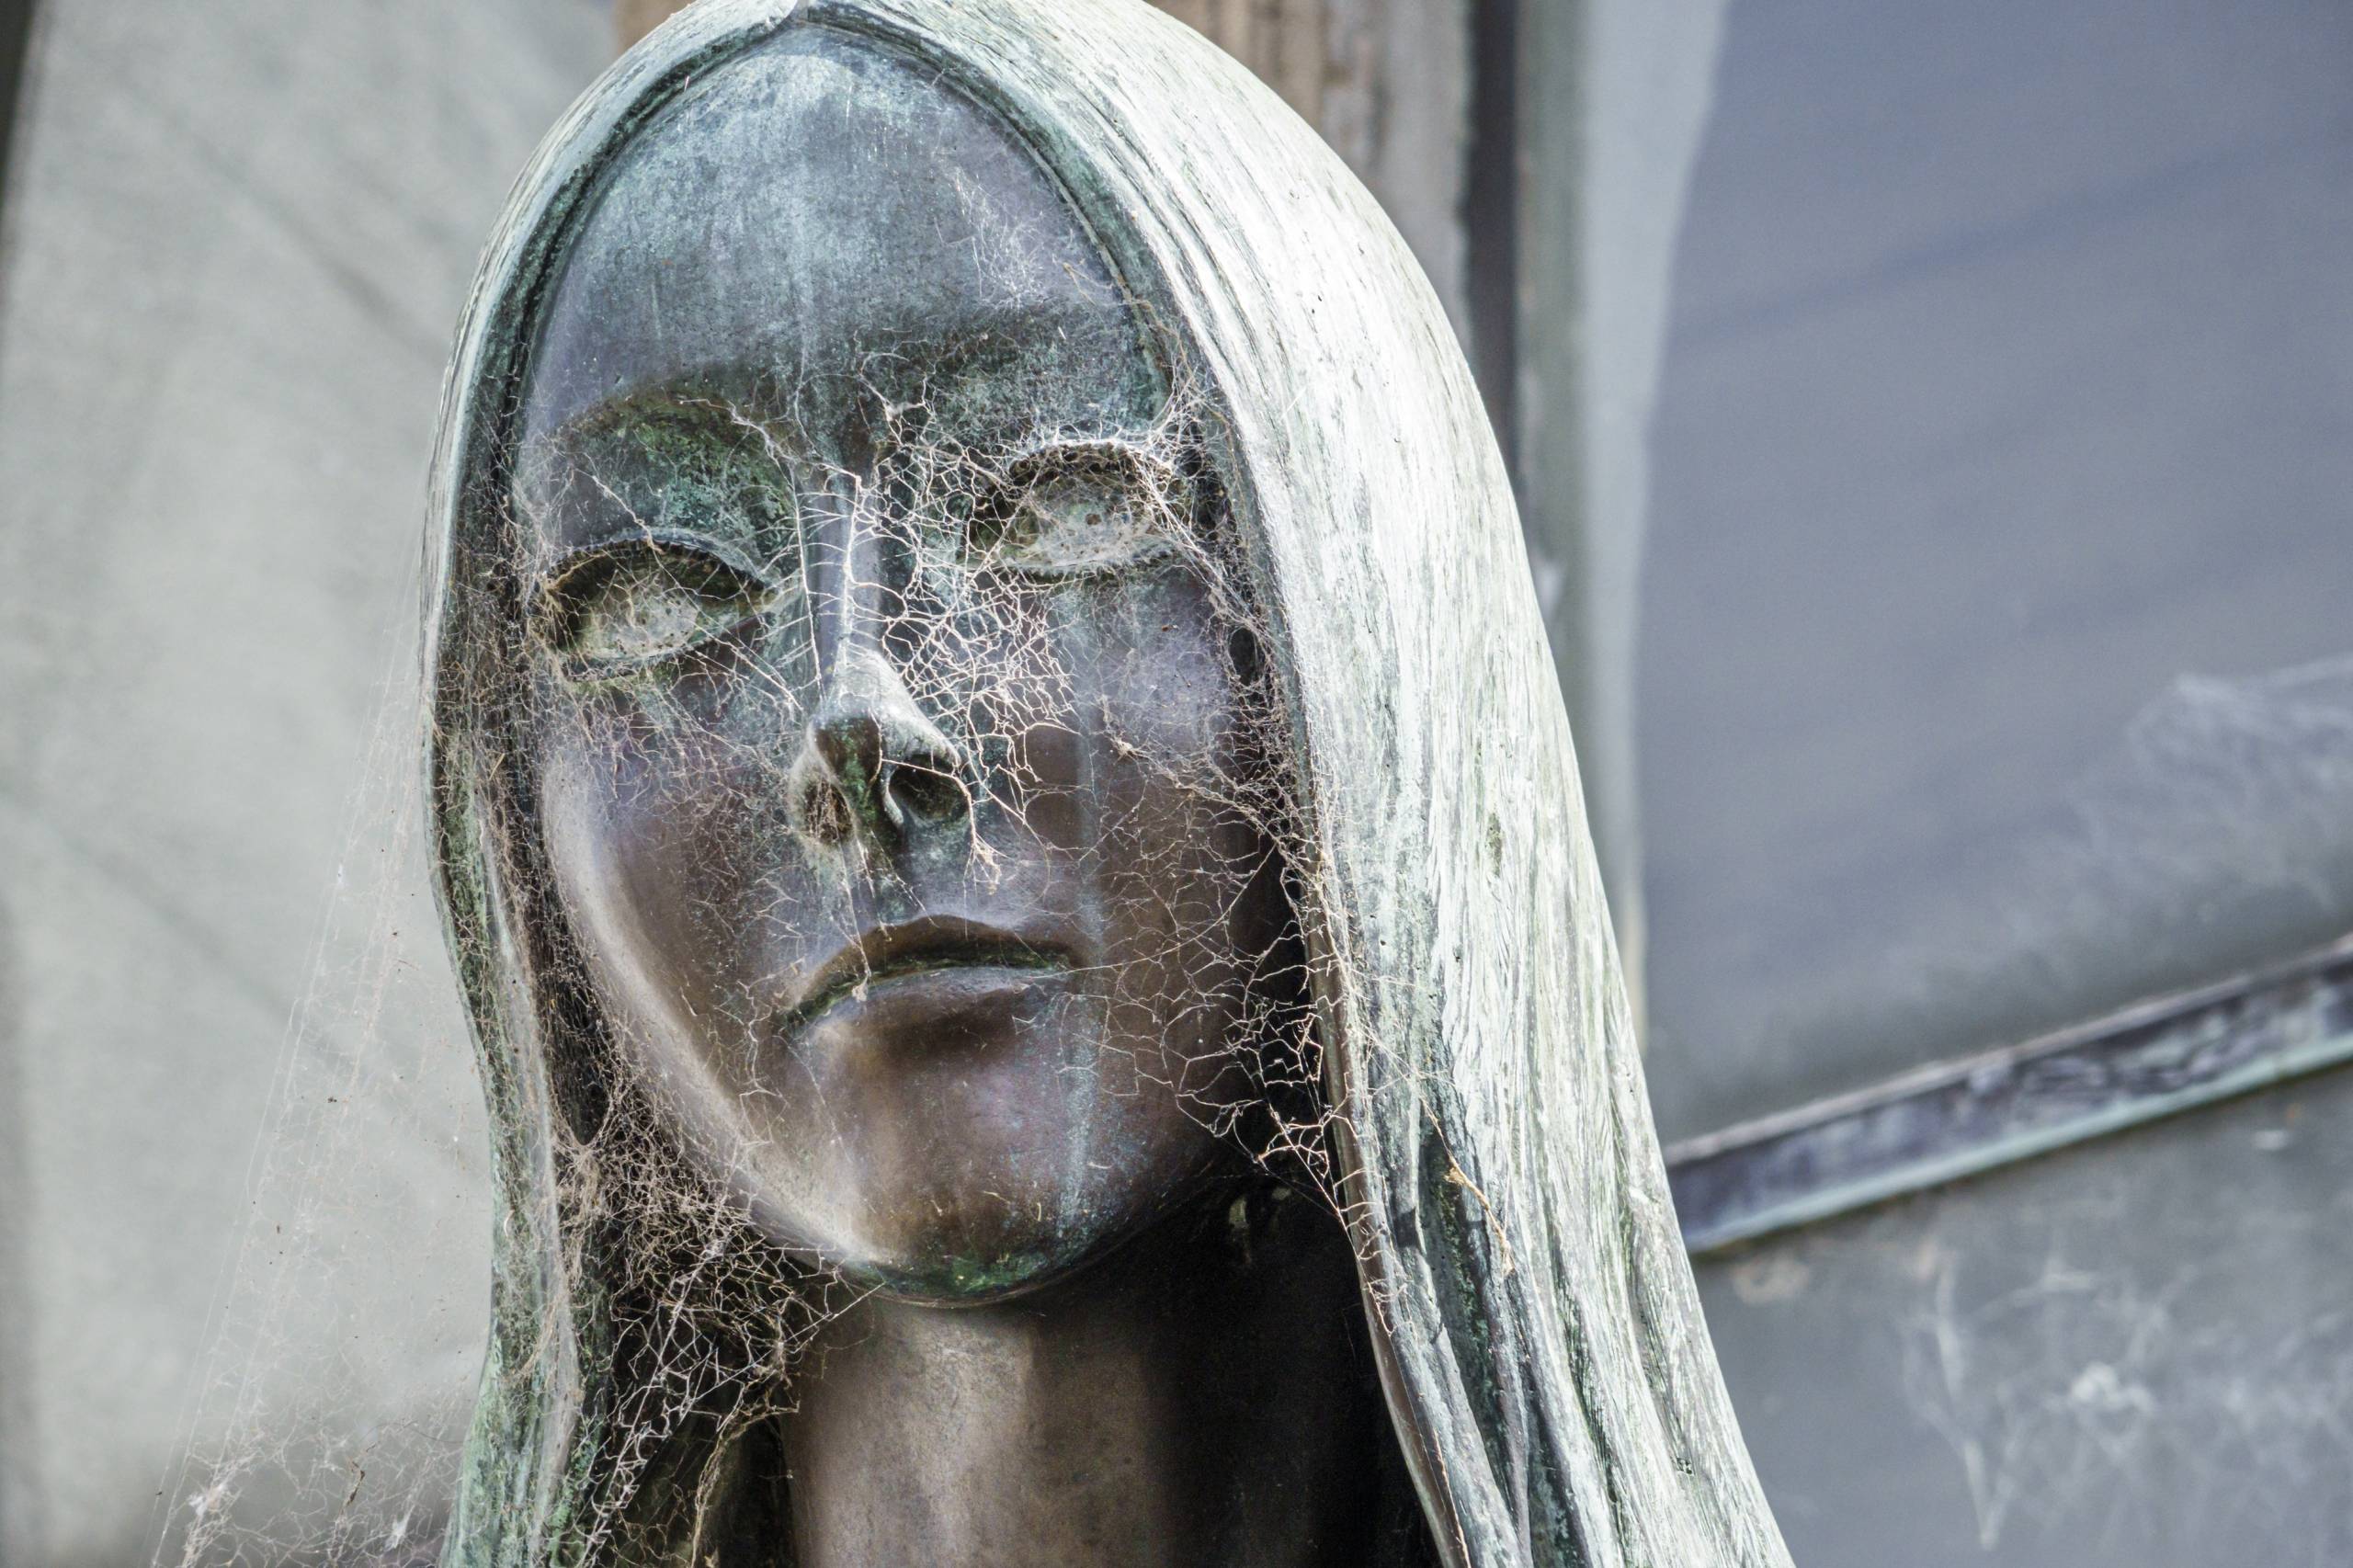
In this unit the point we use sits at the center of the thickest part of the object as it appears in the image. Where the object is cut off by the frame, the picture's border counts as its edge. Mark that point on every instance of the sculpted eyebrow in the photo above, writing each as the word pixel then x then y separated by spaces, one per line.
pixel 650 462
pixel 689 408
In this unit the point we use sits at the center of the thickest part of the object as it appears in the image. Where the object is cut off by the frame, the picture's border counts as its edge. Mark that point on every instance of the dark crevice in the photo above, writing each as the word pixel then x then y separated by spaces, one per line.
pixel 15 39
pixel 1491 216
pixel 16 50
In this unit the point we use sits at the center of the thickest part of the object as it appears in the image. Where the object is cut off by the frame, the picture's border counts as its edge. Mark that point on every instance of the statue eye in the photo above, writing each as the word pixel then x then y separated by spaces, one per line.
pixel 1072 512
pixel 632 605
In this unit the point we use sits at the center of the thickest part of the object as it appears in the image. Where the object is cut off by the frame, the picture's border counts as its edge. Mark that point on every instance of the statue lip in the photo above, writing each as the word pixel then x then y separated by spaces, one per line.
pixel 931 944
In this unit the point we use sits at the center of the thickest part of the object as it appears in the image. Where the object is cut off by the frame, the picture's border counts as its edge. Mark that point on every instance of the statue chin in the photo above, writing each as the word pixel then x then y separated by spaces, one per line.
pixel 956 1243
pixel 955 1266
pixel 957 1133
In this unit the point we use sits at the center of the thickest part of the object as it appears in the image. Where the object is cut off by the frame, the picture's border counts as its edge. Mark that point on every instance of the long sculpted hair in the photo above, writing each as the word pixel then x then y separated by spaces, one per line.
pixel 1540 1344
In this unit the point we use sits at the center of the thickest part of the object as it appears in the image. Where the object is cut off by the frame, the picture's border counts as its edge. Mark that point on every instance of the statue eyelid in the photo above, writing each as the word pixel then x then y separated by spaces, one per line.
pixel 1077 510
pixel 706 591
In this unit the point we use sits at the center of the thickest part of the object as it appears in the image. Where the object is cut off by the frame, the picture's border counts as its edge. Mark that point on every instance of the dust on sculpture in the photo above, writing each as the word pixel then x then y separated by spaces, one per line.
pixel 1015 854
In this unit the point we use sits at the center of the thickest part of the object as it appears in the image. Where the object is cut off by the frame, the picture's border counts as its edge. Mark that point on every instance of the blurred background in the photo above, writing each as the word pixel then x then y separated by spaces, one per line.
pixel 1934 426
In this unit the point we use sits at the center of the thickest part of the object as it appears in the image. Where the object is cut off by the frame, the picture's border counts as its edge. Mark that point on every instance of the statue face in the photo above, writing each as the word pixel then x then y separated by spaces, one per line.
pixel 885 738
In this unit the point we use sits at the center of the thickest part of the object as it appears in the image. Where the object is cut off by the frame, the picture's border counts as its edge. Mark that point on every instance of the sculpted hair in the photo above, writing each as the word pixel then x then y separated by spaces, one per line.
pixel 1540 1342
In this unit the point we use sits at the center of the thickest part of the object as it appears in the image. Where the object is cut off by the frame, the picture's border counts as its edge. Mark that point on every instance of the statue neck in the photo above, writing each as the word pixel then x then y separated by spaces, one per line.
pixel 1206 1396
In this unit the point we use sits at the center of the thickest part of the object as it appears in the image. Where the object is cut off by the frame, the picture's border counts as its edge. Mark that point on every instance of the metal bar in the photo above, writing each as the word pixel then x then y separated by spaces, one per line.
pixel 1957 1119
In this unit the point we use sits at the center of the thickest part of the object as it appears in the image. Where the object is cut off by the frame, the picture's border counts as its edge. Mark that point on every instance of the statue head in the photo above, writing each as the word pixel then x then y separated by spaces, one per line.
pixel 888 708
pixel 986 688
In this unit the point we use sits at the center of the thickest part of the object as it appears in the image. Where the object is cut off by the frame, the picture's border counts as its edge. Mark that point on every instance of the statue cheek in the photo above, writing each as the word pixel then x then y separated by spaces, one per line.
pixel 665 845
pixel 1166 676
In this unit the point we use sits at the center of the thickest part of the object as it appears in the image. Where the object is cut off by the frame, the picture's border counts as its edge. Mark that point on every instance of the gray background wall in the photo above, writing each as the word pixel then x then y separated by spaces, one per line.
pixel 1994 670
pixel 238 237
pixel 1995 667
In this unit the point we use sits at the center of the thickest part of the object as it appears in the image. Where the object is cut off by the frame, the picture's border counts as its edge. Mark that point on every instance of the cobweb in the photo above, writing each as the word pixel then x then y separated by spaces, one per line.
pixel 329 1407
pixel 328 1423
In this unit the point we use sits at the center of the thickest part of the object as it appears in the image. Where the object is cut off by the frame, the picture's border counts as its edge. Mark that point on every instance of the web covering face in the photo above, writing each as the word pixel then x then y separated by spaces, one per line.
pixel 1045 638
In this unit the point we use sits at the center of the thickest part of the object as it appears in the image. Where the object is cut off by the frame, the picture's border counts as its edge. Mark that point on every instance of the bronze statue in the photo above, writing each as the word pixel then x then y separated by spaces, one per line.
pixel 1013 850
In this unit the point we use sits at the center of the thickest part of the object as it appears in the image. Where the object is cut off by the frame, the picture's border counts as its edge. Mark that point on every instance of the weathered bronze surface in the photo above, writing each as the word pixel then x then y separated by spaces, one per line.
pixel 887 743
pixel 1014 851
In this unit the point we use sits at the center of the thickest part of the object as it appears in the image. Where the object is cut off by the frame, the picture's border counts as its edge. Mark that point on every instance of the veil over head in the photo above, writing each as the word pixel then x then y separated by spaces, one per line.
pixel 1542 1346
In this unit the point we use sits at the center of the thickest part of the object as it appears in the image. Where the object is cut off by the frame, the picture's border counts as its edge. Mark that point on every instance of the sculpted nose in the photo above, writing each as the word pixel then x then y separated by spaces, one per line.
pixel 871 764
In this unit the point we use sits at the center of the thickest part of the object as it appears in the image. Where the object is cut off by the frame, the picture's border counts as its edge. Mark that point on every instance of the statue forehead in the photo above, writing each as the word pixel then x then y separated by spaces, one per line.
pixel 819 206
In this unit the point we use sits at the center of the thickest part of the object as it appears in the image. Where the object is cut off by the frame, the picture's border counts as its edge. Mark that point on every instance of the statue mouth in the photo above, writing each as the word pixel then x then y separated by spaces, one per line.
pixel 933 945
